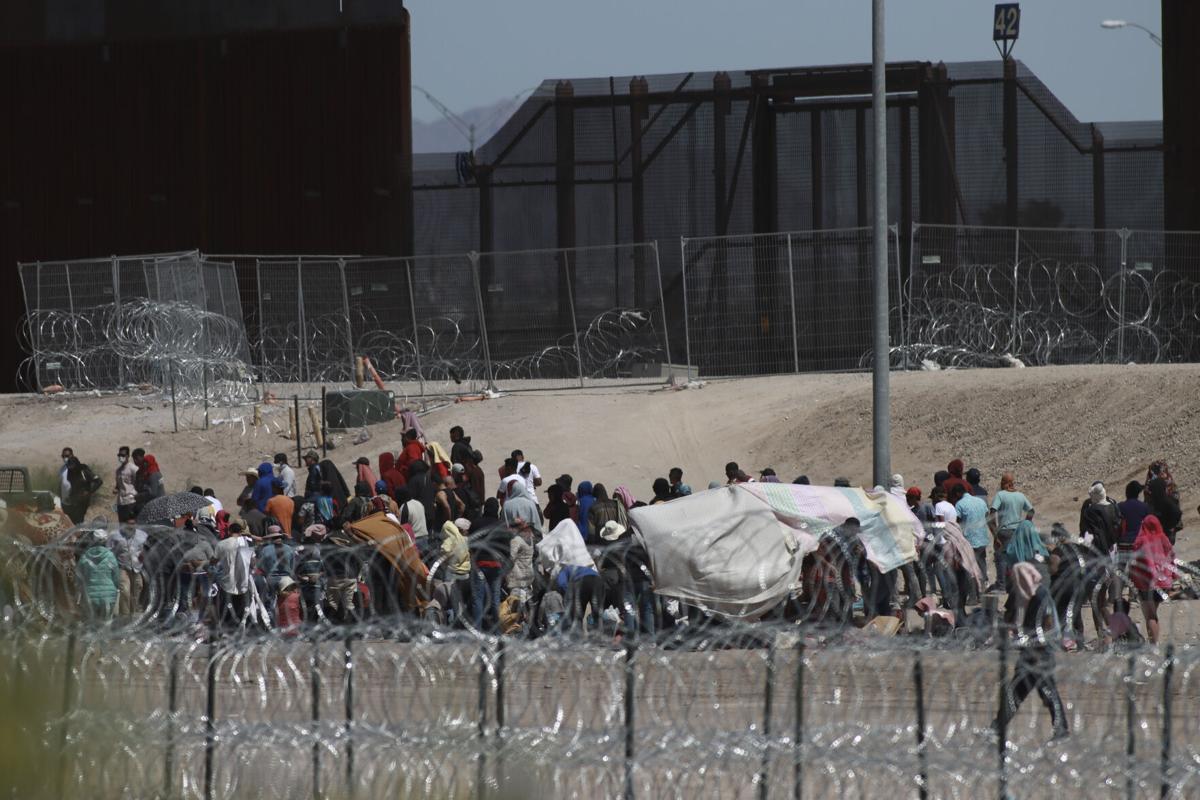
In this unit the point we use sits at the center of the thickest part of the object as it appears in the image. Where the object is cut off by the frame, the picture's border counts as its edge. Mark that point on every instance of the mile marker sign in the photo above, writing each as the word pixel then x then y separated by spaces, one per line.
pixel 1006 26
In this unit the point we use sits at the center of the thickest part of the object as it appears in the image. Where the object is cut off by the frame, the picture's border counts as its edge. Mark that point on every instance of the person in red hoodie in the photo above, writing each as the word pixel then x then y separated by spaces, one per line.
pixel 955 468
pixel 1153 570
pixel 413 451
pixel 388 473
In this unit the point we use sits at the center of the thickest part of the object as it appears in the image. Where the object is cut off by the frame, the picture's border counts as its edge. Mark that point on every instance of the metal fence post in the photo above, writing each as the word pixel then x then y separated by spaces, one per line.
pixel 662 302
pixel 174 412
pixel 912 246
pixel 687 333
pixel 116 281
pixel 302 376
pixel 346 311
pixel 1002 717
pixel 798 733
pixel 895 230
pixel 481 766
pixel 296 407
pixel 764 774
pixel 792 299
pixel 412 309
pixel 210 733
pixel 473 257
pixel 1168 671
pixel 1123 283
pixel 922 766
pixel 262 324
pixel 68 695
pixel 566 256
pixel 349 727
pixel 1012 334
pixel 172 707
pixel 630 704
pixel 315 681
pixel 1130 742
pixel 500 651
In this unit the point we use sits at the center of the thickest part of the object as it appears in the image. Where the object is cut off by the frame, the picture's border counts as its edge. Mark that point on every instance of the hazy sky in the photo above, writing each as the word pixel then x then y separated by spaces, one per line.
pixel 474 52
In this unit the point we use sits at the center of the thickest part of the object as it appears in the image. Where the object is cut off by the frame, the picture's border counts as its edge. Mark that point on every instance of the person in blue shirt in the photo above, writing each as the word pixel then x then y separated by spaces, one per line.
pixel 972 517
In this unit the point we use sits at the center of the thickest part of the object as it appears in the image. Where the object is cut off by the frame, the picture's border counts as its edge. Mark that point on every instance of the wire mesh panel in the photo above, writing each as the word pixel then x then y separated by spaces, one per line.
pixel 281 344
pixel 983 296
pixel 793 302
pixel 1162 304
pixel 108 323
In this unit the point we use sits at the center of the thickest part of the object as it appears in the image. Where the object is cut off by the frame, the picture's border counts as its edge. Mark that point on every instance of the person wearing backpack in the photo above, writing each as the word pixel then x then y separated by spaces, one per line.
pixel 84 484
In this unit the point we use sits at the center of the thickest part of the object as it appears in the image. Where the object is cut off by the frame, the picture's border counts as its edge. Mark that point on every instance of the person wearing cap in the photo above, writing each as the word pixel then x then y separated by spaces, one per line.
pixel 288 614
pixel 99 577
pixel 281 507
pixel 625 573
pixel 972 513
pixel 310 572
pixel 285 473
pixel 471 502
pixel 250 475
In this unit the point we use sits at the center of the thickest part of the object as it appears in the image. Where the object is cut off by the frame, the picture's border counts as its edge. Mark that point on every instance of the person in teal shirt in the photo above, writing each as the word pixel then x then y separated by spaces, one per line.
pixel 1009 509
pixel 972 517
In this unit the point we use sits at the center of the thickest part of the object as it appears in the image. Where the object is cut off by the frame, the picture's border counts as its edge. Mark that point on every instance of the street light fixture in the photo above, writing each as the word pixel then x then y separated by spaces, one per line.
pixel 1113 24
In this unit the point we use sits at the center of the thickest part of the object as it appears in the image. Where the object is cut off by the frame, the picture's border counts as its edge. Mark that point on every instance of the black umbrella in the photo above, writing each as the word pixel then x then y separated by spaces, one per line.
pixel 170 507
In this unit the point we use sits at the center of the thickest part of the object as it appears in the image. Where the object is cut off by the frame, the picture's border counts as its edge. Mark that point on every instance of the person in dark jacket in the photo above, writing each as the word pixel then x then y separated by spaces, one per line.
pixel 1163 498
pixel 1133 511
pixel 1101 518
pixel 490 544
pixel 312 480
pixel 973 478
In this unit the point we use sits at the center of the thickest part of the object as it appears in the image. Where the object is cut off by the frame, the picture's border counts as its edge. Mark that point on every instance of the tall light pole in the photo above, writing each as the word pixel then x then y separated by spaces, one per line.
pixel 881 411
pixel 1112 24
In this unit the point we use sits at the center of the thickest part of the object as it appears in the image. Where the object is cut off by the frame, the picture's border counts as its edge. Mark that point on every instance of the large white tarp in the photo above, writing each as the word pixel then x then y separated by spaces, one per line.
pixel 738 550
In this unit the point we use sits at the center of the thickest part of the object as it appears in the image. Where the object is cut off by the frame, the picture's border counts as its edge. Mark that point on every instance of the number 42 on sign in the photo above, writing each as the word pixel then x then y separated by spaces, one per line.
pixel 1006 26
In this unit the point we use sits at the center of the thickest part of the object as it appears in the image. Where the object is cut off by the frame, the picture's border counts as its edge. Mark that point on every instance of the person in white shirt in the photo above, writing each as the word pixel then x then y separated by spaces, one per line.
pixel 123 486
pixel 509 477
pixel 286 474
pixel 532 476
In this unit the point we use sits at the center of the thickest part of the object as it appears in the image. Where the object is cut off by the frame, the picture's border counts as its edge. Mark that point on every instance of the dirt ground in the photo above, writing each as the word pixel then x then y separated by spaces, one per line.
pixel 1056 428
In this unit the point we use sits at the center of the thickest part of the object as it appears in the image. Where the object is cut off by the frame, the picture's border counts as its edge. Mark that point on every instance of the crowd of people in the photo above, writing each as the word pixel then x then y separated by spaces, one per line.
pixel 275 557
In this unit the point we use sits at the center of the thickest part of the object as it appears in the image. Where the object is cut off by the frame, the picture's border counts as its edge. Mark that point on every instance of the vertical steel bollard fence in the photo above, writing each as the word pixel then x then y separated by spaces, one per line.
pixel 922 761
pixel 764 773
pixel 1168 672
pixel 174 413
pixel 296 408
